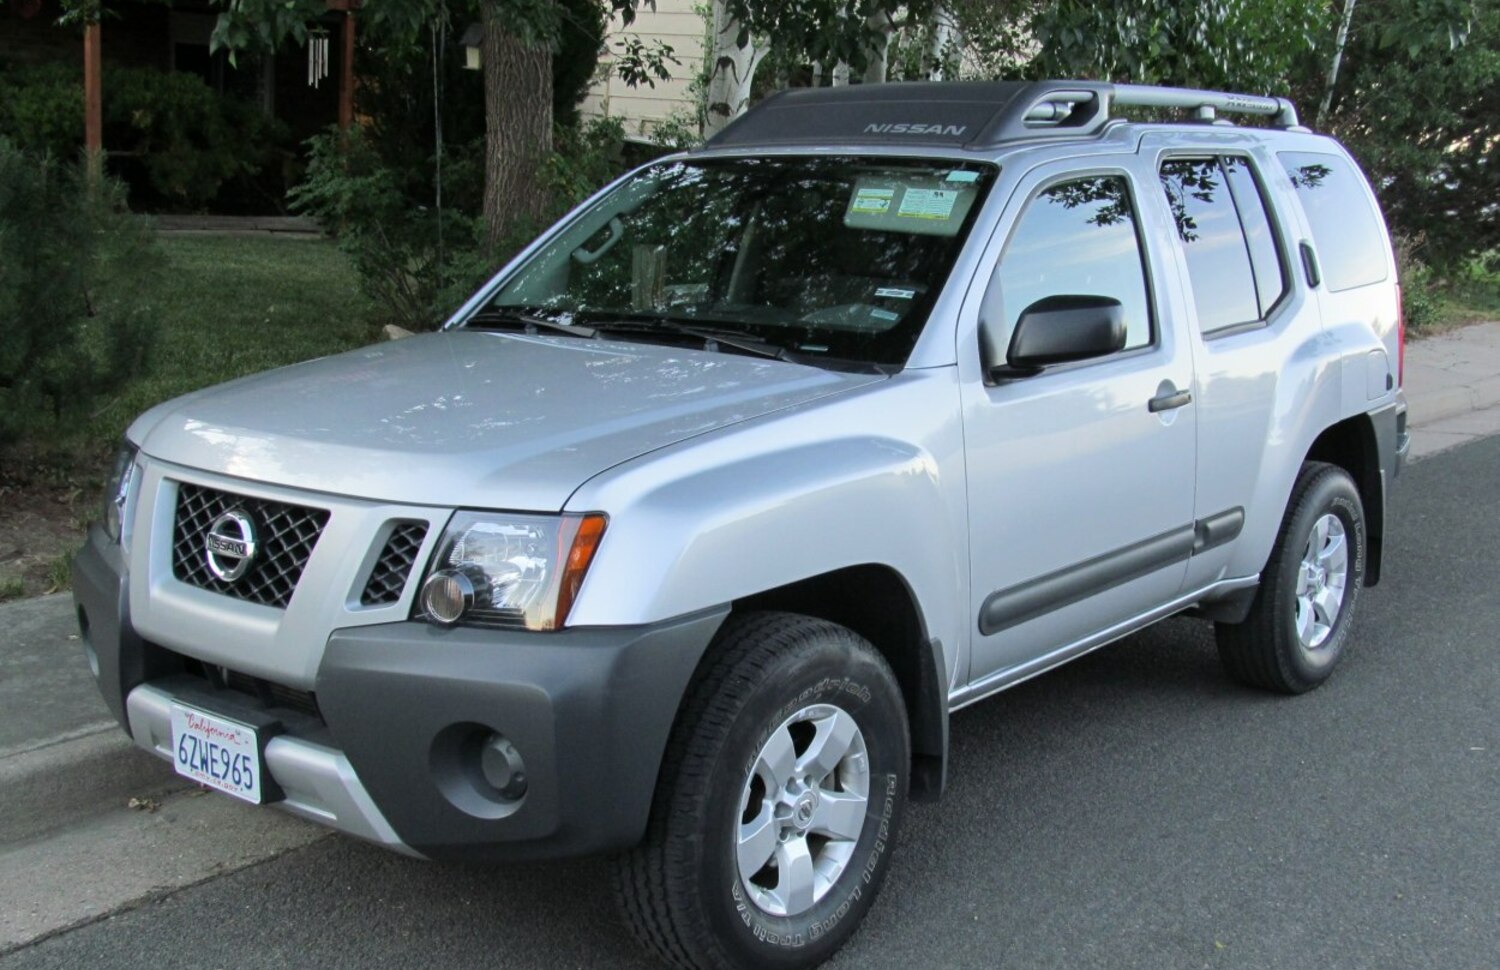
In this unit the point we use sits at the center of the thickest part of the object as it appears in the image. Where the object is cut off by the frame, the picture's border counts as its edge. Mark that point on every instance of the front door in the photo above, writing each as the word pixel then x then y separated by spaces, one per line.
pixel 1080 478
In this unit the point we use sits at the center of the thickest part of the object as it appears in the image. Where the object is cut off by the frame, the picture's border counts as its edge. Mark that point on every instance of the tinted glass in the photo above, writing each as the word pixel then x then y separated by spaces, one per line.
pixel 1351 247
pixel 1209 227
pixel 830 258
pixel 1079 239
pixel 1260 237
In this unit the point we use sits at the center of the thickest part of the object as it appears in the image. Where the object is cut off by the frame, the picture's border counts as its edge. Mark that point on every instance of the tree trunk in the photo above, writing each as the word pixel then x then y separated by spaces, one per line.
pixel 940 44
pixel 1338 55
pixel 517 130
pixel 733 70
pixel 878 55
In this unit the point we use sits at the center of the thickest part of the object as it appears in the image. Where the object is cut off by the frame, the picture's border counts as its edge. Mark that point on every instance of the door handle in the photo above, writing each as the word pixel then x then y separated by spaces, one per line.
pixel 1169 401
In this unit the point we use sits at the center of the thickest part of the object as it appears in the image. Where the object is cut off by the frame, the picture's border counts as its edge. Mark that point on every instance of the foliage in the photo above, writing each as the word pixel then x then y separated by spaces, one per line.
pixel 1222 44
pixel 416 276
pixel 587 159
pixel 411 258
pixel 184 140
pixel 1418 102
pixel 72 266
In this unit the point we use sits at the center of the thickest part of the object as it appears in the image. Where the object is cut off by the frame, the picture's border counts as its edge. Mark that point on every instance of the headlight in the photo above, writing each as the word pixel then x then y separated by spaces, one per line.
pixel 117 492
pixel 517 571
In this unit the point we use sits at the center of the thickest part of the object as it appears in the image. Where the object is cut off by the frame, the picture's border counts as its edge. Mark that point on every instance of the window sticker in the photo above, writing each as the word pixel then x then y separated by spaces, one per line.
pixel 959 175
pixel 880 314
pixel 872 201
pixel 893 293
pixel 927 203
pixel 918 204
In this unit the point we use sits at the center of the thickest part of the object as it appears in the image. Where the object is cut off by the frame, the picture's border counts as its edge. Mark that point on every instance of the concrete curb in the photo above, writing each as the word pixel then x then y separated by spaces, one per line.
pixel 53 785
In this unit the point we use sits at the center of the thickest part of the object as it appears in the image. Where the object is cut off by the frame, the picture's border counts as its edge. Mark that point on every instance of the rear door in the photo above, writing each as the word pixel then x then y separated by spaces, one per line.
pixel 1080 492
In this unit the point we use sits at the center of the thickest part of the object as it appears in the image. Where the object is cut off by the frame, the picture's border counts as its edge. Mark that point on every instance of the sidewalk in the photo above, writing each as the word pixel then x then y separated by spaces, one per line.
pixel 1453 388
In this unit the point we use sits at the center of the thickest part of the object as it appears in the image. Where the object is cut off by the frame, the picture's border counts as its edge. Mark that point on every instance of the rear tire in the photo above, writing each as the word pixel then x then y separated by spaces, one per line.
pixel 781 790
pixel 1298 625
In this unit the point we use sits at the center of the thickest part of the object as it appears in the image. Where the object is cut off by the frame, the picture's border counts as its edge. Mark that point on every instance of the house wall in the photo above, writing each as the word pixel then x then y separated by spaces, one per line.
pixel 674 22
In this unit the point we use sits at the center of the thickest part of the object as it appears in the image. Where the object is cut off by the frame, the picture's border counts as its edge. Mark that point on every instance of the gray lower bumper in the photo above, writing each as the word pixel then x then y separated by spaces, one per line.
pixel 319 783
pixel 391 749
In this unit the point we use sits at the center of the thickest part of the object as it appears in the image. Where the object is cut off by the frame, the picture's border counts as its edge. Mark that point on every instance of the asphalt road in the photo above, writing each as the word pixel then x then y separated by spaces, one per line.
pixel 1134 810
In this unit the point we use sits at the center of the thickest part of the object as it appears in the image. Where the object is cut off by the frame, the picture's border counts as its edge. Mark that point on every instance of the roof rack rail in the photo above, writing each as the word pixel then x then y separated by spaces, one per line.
pixel 1083 108
pixel 1204 104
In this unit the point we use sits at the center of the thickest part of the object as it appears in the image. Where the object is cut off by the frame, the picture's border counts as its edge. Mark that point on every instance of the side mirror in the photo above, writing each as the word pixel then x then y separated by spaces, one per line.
pixel 1062 329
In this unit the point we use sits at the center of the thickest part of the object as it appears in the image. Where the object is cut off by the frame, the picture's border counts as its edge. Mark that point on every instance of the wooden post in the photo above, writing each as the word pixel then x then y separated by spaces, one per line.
pixel 93 102
pixel 346 73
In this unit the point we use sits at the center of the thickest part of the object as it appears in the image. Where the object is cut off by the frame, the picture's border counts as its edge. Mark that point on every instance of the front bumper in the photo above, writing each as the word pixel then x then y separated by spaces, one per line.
pixel 391 751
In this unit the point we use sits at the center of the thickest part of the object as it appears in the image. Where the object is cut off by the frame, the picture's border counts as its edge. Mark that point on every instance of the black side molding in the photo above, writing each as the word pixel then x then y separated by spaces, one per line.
pixel 1217 529
pixel 1033 598
pixel 1014 605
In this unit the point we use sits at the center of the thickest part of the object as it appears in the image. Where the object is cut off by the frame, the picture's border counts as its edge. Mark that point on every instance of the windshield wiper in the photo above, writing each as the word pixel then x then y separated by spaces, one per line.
pixel 527 322
pixel 714 339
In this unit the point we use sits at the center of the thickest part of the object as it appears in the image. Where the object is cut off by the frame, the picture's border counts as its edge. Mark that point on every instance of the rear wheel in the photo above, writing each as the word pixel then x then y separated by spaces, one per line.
pixel 780 793
pixel 1298 625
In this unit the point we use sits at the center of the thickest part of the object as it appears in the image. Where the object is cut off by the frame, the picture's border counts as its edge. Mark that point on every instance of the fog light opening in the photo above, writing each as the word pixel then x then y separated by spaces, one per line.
pixel 502 767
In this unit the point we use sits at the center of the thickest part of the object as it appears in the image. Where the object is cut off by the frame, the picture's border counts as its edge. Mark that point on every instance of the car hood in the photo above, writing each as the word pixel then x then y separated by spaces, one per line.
pixel 463 418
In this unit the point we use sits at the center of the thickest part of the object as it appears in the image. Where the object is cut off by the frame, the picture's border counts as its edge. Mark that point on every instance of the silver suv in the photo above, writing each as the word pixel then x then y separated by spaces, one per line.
pixel 685 535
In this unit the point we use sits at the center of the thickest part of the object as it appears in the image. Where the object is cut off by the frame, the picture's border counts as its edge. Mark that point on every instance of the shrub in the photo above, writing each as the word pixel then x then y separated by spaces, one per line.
pixel 393 234
pixel 415 262
pixel 181 140
pixel 72 266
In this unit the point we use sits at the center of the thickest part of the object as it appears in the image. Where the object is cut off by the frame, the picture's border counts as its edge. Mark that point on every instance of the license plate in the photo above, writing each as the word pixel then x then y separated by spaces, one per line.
pixel 220 753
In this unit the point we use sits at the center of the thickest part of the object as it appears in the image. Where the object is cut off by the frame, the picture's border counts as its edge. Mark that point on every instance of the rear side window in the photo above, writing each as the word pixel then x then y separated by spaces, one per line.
pixel 1351 247
pixel 1226 236
pixel 1078 238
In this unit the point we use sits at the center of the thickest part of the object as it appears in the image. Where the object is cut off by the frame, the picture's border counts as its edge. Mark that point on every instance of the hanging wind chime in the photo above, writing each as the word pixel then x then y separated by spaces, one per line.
pixel 317 57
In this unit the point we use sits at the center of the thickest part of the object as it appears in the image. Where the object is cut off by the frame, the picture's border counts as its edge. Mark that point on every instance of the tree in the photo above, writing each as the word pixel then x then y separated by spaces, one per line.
pixel 1248 45
pixel 1418 102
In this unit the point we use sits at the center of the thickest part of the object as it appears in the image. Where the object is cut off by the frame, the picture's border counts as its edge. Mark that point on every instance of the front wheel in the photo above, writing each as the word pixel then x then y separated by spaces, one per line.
pixel 1299 621
pixel 779 797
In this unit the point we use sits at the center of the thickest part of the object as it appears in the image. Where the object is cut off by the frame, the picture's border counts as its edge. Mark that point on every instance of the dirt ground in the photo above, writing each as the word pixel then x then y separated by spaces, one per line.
pixel 41 526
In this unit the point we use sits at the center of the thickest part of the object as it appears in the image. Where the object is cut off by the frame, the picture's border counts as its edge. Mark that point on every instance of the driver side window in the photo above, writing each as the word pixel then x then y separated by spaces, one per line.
pixel 1078 237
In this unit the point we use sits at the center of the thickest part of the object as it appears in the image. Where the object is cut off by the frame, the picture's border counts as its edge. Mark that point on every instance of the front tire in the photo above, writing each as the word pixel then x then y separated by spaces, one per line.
pixel 1299 622
pixel 780 794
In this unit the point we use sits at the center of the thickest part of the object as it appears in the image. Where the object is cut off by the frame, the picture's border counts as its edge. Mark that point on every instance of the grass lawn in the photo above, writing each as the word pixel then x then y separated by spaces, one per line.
pixel 226 306
pixel 234 305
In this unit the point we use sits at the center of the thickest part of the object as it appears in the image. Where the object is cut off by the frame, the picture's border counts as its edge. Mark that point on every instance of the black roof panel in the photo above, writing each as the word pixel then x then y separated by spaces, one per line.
pixel 970 114
pixel 964 114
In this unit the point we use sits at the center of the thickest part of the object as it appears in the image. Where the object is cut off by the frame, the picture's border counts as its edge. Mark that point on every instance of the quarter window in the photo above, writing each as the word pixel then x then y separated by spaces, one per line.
pixel 1079 238
pixel 1348 236
pixel 1226 237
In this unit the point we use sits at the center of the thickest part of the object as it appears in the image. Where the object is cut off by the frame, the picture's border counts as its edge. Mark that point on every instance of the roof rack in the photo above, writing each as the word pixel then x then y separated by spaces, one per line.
pixel 971 114
pixel 1054 105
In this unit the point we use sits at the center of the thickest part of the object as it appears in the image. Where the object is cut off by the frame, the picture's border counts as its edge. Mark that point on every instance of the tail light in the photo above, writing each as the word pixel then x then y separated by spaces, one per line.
pixel 1400 339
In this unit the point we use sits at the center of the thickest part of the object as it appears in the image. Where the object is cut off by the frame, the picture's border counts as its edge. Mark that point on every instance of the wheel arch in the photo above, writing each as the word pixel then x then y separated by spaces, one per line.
pixel 1351 445
pixel 876 602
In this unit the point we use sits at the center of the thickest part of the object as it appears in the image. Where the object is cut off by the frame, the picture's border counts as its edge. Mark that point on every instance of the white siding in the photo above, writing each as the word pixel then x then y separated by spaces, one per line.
pixel 674 22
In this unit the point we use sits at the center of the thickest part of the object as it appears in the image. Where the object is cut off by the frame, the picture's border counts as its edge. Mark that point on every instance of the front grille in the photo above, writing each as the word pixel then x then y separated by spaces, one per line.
pixel 248 690
pixel 272 695
pixel 285 537
pixel 392 569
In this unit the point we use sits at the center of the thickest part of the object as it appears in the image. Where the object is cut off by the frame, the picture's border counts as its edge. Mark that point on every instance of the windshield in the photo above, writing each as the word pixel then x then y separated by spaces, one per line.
pixel 821 258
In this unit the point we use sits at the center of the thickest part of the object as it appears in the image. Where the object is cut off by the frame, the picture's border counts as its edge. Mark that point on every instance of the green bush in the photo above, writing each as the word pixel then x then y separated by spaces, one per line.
pixel 181 140
pixel 1421 305
pixel 73 266
pixel 417 264
pixel 383 220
